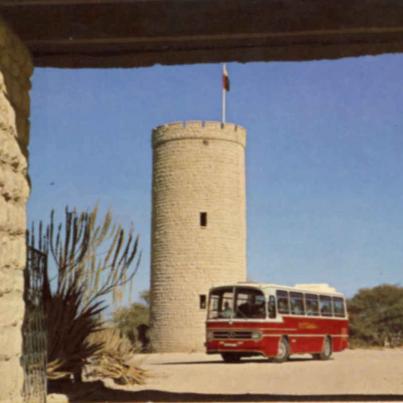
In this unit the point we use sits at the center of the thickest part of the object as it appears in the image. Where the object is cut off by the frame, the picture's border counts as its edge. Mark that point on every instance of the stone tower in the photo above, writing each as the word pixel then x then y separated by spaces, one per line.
pixel 198 226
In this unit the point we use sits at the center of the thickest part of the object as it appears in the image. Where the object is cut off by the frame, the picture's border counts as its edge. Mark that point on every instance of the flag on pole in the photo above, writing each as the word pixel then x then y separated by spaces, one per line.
pixel 225 88
pixel 225 78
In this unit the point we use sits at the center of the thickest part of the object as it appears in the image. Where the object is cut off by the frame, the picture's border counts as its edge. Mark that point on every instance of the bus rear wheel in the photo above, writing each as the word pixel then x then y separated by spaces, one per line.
pixel 283 351
pixel 231 357
pixel 326 351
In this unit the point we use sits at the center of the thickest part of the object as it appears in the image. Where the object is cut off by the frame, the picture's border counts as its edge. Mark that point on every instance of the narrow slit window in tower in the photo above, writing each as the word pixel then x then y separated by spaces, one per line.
pixel 202 301
pixel 203 219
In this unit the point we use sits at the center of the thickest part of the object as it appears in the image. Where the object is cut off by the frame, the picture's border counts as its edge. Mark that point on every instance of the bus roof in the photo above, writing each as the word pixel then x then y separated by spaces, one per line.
pixel 321 288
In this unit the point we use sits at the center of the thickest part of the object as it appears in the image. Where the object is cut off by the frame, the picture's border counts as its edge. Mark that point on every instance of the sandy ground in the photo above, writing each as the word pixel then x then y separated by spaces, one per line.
pixel 350 372
pixel 353 375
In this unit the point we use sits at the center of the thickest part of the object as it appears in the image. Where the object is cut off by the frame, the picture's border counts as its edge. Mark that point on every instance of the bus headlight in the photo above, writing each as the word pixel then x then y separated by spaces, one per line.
pixel 256 335
pixel 210 335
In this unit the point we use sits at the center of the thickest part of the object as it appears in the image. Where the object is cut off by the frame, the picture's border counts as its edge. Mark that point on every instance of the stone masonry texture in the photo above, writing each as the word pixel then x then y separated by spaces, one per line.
pixel 198 167
pixel 15 72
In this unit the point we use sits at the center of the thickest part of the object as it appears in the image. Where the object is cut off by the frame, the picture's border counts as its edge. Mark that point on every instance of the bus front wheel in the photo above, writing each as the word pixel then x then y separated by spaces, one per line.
pixel 283 351
pixel 231 357
pixel 326 350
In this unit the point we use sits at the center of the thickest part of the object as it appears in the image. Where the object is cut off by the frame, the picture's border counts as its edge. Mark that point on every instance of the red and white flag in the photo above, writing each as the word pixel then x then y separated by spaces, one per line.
pixel 225 78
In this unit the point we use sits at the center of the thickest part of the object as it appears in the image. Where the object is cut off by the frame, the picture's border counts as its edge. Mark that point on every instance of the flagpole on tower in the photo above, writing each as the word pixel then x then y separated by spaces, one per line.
pixel 225 88
pixel 224 101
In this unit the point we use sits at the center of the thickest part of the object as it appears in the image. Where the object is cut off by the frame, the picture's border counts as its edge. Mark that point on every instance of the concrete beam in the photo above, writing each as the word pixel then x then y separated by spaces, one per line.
pixel 130 33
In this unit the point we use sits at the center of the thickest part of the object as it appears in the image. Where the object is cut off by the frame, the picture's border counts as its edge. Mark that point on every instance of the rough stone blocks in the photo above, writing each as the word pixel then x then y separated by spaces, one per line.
pixel 15 72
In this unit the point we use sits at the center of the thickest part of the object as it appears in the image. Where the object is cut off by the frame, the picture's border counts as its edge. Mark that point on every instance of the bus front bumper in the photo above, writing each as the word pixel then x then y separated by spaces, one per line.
pixel 244 346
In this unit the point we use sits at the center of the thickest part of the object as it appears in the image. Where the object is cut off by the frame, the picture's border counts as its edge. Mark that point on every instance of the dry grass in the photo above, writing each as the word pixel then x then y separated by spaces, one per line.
pixel 111 361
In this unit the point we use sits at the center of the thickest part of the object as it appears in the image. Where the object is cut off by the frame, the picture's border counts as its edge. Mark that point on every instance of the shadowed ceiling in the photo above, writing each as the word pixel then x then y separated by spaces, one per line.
pixel 130 33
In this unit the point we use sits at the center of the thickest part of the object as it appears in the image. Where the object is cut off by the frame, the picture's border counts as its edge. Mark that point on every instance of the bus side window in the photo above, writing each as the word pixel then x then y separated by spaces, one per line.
pixel 338 307
pixel 297 303
pixel 282 301
pixel 272 307
pixel 311 304
pixel 325 303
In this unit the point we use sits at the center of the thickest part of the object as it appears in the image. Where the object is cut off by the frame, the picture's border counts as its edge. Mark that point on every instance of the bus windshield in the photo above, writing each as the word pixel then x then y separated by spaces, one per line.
pixel 221 303
pixel 247 303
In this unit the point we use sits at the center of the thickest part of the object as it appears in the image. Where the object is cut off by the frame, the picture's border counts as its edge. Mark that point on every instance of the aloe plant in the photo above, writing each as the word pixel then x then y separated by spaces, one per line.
pixel 75 297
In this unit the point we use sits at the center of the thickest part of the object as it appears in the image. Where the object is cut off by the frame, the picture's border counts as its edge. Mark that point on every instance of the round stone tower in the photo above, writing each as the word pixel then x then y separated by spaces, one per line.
pixel 198 226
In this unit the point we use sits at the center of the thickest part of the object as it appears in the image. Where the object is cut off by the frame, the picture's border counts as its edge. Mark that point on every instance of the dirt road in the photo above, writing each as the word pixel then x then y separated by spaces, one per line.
pixel 357 375
pixel 353 372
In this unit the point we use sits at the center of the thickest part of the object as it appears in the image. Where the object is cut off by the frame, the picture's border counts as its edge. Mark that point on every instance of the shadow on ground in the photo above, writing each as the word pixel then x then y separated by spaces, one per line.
pixel 243 361
pixel 96 392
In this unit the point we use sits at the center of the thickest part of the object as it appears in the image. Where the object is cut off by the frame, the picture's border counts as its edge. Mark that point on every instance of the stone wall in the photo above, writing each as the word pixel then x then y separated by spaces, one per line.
pixel 15 72
pixel 198 167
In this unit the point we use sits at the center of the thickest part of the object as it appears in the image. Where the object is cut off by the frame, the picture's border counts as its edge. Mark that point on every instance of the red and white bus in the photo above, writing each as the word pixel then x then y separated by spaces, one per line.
pixel 275 321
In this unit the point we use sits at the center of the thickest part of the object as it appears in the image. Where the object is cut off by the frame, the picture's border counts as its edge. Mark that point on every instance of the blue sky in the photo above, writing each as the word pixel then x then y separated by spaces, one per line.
pixel 324 157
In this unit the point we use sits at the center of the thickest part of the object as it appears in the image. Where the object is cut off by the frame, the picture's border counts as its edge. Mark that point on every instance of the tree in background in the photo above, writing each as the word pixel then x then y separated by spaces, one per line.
pixel 376 315
pixel 133 321
pixel 88 262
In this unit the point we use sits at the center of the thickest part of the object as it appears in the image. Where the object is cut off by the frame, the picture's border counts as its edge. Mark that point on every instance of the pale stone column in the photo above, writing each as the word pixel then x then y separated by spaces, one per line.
pixel 15 72
pixel 199 226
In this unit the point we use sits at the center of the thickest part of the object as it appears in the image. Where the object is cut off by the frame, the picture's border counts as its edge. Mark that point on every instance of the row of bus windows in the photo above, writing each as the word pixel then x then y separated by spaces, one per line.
pixel 298 303
pixel 250 303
